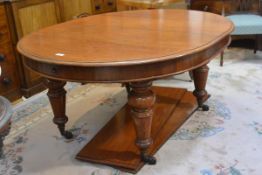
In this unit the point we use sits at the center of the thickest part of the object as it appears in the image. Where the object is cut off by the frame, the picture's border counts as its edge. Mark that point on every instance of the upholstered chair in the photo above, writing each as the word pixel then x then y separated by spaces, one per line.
pixel 246 16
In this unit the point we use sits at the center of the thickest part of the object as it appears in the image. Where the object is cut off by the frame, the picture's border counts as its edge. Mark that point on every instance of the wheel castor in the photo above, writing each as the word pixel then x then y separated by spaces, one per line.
pixel 68 135
pixel 205 107
pixel 148 159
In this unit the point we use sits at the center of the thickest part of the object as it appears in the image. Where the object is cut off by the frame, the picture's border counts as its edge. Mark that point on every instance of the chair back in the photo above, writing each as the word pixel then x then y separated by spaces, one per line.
pixel 243 6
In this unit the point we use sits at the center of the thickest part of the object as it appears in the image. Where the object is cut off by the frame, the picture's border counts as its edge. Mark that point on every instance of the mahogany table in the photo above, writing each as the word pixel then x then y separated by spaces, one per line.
pixel 133 48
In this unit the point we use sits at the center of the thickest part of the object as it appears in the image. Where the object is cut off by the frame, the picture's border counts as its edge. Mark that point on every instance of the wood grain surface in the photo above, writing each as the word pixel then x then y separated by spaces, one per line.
pixel 124 38
pixel 135 48
pixel 114 143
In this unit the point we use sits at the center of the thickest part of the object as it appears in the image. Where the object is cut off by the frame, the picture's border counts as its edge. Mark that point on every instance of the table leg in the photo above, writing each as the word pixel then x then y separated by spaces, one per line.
pixel 200 78
pixel 57 97
pixel 141 100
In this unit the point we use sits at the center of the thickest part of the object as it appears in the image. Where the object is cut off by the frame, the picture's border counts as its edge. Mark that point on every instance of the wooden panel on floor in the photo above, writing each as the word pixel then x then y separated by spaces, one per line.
pixel 114 145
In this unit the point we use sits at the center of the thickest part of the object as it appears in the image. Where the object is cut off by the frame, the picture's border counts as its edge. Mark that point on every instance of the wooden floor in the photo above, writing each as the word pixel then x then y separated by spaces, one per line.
pixel 114 145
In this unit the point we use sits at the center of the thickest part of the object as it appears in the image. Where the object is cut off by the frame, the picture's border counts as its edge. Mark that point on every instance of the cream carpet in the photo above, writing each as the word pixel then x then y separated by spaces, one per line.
pixel 223 141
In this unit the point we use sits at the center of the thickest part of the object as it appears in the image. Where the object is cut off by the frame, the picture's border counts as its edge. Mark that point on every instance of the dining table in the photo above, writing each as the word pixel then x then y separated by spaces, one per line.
pixel 133 48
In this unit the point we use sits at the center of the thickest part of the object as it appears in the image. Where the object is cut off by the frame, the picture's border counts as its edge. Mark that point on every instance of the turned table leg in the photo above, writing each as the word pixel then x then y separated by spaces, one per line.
pixel 57 97
pixel 200 78
pixel 141 100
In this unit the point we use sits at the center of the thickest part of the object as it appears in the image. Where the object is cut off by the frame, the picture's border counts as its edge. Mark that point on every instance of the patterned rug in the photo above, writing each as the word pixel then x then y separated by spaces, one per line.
pixel 226 140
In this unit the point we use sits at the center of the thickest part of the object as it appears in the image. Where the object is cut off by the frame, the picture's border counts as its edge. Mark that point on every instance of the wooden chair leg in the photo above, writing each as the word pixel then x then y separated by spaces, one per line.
pixel 222 58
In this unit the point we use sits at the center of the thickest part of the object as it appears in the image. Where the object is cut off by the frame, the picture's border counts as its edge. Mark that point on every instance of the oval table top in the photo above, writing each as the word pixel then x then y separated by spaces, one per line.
pixel 126 46
pixel 124 38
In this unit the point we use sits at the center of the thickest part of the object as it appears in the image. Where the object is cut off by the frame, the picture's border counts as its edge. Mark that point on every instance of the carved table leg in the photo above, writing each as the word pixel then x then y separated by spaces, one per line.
pixel 57 97
pixel 141 100
pixel 200 78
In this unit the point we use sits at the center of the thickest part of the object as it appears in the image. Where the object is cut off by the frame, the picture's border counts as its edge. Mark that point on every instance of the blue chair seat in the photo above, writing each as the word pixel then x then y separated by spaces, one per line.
pixel 246 24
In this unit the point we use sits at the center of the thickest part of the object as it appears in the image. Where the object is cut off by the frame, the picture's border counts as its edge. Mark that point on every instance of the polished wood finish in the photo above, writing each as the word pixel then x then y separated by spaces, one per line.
pixel 126 57
pixel 141 100
pixel 57 96
pixel 114 143
pixel 103 6
pixel 9 81
pixel 214 6
pixel 109 47
pixel 123 5
pixel 200 75
pixel 45 13
pixel 131 47
pixel 70 9
pixel 20 18
pixel 20 22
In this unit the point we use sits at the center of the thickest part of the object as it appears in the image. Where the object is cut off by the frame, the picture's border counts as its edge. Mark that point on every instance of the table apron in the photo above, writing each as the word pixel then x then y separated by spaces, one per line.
pixel 129 73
